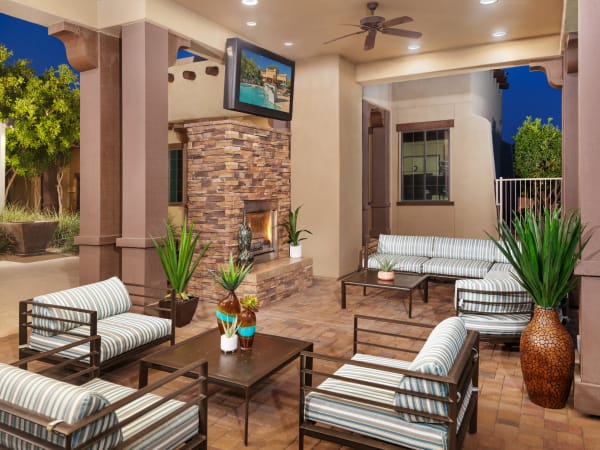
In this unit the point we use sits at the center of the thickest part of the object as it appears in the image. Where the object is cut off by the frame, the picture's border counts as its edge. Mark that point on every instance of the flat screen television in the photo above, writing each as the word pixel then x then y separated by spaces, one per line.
pixel 258 81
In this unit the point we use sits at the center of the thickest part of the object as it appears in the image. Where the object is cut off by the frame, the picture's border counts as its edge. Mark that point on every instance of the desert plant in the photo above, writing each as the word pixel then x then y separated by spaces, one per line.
pixel 544 253
pixel 67 229
pixel 291 226
pixel 386 262
pixel 250 302
pixel 231 275
pixel 177 256
pixel 230 328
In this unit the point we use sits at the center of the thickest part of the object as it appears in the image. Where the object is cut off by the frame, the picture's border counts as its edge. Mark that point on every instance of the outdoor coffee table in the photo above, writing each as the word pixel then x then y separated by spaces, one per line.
pixel 402 282
pixel 242 370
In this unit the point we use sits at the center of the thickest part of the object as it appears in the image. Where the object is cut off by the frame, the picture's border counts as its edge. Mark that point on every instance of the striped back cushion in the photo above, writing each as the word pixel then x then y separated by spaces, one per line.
pixel 495 299
pixel 55 399
pixel 108 297
pixel 405 245
pixel 435 358
pixel 455 248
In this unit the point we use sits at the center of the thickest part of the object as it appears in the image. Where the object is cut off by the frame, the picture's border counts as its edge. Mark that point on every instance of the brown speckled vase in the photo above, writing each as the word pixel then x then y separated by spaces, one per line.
pixel 547 359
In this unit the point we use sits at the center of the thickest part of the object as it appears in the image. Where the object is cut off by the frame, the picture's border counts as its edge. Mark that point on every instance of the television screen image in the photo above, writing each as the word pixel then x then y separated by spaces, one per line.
pixel 258 81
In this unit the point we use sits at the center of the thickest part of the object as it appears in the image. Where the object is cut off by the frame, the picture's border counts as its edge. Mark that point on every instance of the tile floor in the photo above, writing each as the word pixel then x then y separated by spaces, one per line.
pixel 507 419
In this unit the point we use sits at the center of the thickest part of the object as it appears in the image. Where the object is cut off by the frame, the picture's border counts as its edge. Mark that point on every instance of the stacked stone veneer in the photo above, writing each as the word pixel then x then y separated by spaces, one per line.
pixel 229 162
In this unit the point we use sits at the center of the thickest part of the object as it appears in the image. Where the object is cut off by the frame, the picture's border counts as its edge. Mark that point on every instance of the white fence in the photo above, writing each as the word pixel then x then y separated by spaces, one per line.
pixel 513 195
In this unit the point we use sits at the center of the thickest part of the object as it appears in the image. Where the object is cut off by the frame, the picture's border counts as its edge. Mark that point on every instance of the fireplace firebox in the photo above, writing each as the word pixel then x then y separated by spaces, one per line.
pixel 261 217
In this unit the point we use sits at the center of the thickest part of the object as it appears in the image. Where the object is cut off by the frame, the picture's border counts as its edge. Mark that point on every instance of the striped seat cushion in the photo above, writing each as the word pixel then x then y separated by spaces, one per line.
pixel 496 324
pixel 435 358
pixel 455 248
pixel 492 301
pixel 119 334
pixel 383 423
pixel 501 267
pixel 55 399
pixel 108 297
pixel 456 267
pixel 402 263
pixel 405 245
pixel 166 436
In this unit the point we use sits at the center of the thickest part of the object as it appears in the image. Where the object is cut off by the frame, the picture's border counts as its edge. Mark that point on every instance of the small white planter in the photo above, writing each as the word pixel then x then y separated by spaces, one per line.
pixel 295 251
pixel 229 344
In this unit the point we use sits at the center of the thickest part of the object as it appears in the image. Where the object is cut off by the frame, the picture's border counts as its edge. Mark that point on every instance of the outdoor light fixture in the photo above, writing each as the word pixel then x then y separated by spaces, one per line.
pixel 414 47
pixel 250 2
pixel 499 34
pixel 250 23
pixel 488 2
pixel 288 44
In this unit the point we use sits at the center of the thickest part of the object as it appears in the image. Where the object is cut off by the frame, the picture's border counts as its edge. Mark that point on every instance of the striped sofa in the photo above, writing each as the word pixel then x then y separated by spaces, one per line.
pixel 378 402
pixel 104 309
pixel 40 412
pixel 488 297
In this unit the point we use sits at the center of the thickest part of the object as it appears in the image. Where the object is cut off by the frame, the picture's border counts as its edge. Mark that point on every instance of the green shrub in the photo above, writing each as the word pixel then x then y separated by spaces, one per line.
pixel 6 242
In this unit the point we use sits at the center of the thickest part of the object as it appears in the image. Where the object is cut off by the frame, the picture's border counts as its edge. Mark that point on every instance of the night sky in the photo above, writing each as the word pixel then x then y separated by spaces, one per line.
pixel 529 93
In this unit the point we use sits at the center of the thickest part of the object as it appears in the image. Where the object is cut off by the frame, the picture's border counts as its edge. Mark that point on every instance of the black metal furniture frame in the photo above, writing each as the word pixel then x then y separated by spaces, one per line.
pixel 464 372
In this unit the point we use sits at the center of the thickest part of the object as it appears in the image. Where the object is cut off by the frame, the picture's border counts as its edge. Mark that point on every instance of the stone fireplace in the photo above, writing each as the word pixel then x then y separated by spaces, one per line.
pixel 235 168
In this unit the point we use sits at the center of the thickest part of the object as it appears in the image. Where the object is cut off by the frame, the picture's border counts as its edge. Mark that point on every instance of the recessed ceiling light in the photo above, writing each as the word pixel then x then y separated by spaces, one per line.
pixel 499 34
pixel 250 23
pixel 250 2
pixel 414 47
pixel 488 2
pixel 288 44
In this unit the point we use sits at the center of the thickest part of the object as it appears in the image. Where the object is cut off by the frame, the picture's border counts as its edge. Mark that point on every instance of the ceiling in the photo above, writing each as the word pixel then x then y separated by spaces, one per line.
pixel 445 24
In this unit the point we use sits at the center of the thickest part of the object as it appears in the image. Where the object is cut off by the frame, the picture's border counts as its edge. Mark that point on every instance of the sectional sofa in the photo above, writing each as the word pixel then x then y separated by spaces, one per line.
pixel 487 297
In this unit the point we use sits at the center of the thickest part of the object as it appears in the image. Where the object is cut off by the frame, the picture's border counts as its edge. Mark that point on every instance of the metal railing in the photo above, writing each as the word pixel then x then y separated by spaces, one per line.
pixel 514 195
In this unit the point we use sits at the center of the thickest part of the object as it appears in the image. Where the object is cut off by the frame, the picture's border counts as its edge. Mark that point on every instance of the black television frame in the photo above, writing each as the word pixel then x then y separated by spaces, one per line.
pixel 231 98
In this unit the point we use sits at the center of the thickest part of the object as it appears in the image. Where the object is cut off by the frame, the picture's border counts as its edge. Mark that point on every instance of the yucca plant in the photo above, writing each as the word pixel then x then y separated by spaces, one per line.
pixel 177 256
pixel 544 253
pixel 386 262
pixel 291 226
pixel 230 328
pixel 230 276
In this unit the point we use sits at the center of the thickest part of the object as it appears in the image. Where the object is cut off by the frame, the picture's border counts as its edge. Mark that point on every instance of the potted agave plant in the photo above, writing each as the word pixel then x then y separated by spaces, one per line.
pixel 178 261
pixel 386 267
pixel 291 226
pixel 544 253
pixel 229 337
pixel 229 277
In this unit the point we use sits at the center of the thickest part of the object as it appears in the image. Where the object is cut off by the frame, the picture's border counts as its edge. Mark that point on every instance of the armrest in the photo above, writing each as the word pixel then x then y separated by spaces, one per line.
pixel 491 296
pixel 147 299
pixel 408 337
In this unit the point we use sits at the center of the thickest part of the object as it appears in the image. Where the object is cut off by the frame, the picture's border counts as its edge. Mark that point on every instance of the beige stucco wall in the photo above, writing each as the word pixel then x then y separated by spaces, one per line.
pixel 325 158
pixel 461 98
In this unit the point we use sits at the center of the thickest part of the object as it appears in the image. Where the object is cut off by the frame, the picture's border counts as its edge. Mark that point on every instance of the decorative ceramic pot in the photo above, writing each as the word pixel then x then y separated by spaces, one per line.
pixel 547 359
pixel 247 321
pixel 184 310
pixel 229 344
pixel 386 276
pixel 295 251
pixel 227 310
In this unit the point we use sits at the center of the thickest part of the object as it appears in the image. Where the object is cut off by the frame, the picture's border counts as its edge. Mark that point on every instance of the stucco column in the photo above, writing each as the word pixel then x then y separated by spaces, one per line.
pixel 587 378
pixel 145 143
pixel 570 193
pixel 97 57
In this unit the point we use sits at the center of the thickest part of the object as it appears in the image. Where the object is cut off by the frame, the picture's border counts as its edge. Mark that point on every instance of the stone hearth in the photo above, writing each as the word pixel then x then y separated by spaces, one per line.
pixel 231 163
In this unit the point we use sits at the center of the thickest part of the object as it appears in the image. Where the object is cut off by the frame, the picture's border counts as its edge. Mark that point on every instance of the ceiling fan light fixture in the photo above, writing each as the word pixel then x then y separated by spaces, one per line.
pixel 250 2
pixel 414 47
pixel 251 23
pixel 487 2
pixel 288 44
pixel 499 34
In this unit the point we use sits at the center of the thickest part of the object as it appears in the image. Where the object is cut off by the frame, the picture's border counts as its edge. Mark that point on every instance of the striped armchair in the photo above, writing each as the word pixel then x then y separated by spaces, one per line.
pixel 41 412
pixel 104 309
pixel 375 401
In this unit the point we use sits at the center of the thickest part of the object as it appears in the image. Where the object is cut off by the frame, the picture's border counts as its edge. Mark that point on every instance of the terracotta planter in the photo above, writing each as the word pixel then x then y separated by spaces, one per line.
pixel 184 310
pixel 30 238
pixel 247 330
pixel 547 359
pixel 385 276
pixel 227 310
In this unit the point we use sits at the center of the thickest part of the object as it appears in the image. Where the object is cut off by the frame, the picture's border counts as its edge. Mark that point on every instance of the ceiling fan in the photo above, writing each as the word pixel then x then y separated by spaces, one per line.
pixel 372 24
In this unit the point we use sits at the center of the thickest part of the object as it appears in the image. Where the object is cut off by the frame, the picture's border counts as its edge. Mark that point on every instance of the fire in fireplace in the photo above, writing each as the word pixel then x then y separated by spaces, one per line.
pixel 261 217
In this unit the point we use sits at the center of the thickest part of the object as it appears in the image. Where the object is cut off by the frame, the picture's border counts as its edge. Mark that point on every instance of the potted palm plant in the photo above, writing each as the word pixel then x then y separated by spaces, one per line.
pixel 544 253
pixel 229 277
pixel 178 261
pixel 291 226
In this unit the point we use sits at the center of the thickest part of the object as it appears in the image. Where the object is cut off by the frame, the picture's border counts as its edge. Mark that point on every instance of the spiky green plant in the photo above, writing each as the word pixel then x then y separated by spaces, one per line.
pixel 177 256
pixel 544 253
pixel 291 226
pixel 231 275
pixel 386 262
pixel 250 302
pixel 230 328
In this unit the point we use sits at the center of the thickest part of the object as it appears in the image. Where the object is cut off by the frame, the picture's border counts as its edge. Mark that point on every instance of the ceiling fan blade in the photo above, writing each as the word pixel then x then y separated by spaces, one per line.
pixel 396 21
pixel 342 37
pixel 401 32
pixel 370 39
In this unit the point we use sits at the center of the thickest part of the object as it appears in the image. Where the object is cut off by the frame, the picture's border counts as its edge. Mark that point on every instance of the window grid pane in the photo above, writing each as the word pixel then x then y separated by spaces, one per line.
pixel 175 176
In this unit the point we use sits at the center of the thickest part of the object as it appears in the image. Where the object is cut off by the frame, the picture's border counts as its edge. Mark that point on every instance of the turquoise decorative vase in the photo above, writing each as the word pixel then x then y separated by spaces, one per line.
pixel 247 330
pixel 227 310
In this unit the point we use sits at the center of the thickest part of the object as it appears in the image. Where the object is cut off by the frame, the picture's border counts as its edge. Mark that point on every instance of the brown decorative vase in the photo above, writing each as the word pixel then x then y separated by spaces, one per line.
pixel 247 320
pixel 547 359
pixel 227 310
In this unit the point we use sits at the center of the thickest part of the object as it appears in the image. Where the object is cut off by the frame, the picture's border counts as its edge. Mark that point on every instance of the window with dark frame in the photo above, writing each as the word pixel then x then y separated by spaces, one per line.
pixel 175 175
pixel 424 162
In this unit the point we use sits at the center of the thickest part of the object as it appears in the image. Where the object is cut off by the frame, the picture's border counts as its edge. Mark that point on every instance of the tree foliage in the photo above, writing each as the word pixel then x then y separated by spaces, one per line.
pixel 538 149
pixel 45 110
